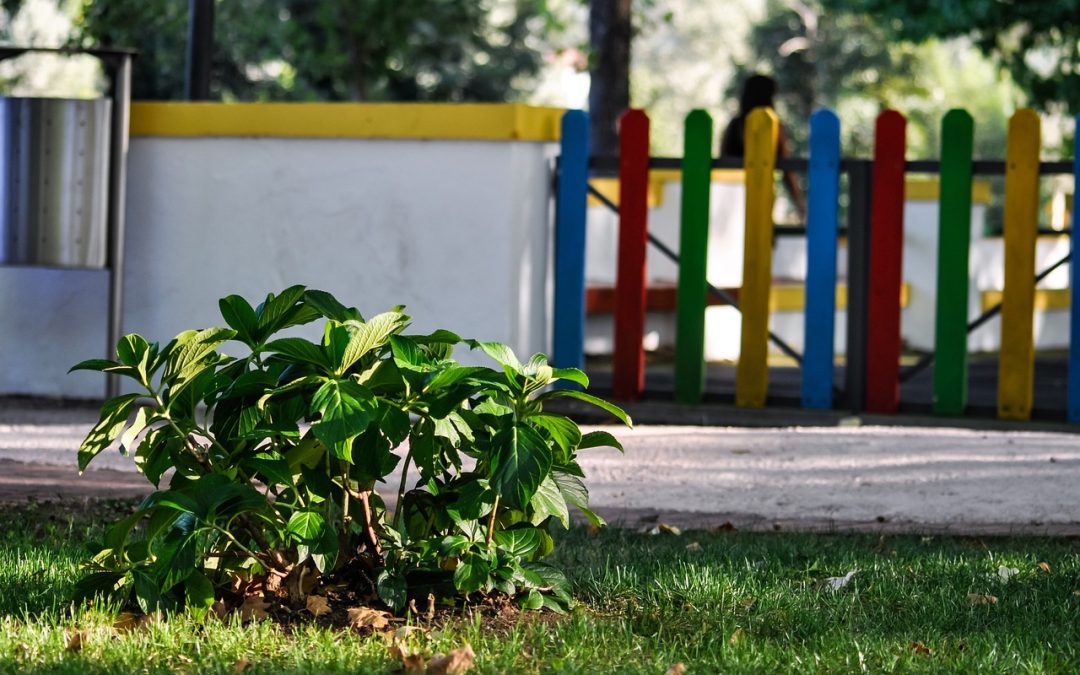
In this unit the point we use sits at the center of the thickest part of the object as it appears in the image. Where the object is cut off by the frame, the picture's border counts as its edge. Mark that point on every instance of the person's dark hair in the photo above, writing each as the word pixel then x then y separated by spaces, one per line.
pixel 757 92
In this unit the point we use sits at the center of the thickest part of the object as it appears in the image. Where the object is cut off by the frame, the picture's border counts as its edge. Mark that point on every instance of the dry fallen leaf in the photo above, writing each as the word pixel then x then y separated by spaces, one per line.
pixel 836 583
pixel 412 664
pixel 726 526
pixel 75 639
pixel 592 530
pixel 317 605
pixel 127 622
pixel 430 613
pixel 366 617
pixel 458 662
pixel 254 608
pixel 1006 573
pixel 676 669
pixel 735 637
pixel 1045 567
pixel 669 529
pixel 981 599
pixel 747 603
pixel 693 546
pixel 921 648
pixel 219 609
pixel 241 665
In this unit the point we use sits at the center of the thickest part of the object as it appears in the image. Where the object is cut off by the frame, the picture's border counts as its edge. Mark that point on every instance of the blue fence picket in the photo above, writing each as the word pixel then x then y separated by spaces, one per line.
pixel 821 228
pixel 1074 273
pixel 568 341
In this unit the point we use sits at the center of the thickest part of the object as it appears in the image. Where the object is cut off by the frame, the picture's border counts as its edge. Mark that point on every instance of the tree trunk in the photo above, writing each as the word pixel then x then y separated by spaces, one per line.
pixel 609 90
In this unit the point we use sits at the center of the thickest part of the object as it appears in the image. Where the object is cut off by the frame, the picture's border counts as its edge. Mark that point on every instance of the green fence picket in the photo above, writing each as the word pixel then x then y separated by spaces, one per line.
pixel 693 258
pixel 954 243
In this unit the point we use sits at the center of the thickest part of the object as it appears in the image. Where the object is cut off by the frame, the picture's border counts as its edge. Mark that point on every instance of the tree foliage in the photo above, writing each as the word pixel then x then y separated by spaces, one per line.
pixel 820 59
pixel 1035 41
pixel 334 50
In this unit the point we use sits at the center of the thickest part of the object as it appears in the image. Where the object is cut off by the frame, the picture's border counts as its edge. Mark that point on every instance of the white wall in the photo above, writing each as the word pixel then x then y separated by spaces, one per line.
pixel 458 231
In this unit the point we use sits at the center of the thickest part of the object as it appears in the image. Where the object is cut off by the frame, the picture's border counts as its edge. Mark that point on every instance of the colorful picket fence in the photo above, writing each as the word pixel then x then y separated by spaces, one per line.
pixel 880 334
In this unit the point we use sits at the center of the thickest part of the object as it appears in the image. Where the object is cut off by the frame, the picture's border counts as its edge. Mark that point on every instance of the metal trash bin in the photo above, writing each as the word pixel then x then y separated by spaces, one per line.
pixel 54 181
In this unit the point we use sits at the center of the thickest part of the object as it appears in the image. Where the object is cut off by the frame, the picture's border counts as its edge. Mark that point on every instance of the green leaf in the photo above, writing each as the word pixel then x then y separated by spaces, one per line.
pixel 522 461
pixel 498 351
pixel 329 306
pixel 114 414
pixel 471 574
pixel 520 542
pixel 392 590
pixel 395 424
pixel 408 355
pixel 599 439
pixel 571 375
pixel 300 350
pixel 191 348
pixel 147 590
pixel 153 457
pixel 346 408
pixel 474 501
pixel 549 501
pixel 450 376
pixel 281 311
pixel 306 525
pixel 273 468
pixel 533 600
pixel 366 336
pixel 308 453
pixel 133 350
pixel 562 430
pixel 99 365
pixel 199 594
pixel 97 583
pixel 538 369
pixel 574 492
pixel 553 579
pixel 615 410
pixel 241 317
pixel 143 416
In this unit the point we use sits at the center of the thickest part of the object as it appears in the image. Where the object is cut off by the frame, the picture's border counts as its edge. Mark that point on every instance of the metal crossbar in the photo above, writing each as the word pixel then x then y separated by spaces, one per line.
pixel 718 292
pixel 924 362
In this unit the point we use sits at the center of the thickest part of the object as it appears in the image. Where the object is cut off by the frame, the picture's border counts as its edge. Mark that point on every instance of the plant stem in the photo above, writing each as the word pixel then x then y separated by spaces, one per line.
pixel 398 511
pixel 491 521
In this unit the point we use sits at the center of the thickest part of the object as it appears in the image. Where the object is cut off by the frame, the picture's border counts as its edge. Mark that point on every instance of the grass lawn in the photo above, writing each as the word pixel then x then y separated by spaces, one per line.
pixel 716 602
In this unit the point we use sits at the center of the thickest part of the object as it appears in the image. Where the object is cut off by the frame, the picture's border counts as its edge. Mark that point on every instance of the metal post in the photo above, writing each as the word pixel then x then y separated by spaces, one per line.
pixel 200 50
pixel 858 276
pixel 121 92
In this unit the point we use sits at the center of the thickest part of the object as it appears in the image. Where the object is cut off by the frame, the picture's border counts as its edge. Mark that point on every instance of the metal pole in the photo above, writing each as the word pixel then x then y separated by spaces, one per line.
pixel 858 277
pixel 121 91
pixel 200 50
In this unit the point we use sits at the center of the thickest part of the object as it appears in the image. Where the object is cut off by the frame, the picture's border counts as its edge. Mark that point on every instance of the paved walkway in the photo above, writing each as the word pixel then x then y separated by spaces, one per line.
pixel 868 478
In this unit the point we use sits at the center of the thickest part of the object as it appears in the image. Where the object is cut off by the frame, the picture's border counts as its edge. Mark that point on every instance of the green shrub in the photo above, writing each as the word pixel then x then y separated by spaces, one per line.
pixel 278 458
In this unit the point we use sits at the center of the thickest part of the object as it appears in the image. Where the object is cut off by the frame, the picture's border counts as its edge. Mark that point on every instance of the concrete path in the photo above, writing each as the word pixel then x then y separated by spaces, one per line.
pixel 824 478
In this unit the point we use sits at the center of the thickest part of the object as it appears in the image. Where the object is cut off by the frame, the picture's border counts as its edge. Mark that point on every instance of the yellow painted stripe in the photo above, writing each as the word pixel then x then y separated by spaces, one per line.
pixel 1016 368
pixel 792 297
pixel 927 189
pixel 464 121
pixel 752 371
pixel 1046 299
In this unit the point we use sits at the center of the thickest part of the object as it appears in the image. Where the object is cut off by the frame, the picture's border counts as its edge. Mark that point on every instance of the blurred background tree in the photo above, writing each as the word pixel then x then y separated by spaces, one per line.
pixel 1036 41
pixel 667 56
pixel 849 62
pixel 331 50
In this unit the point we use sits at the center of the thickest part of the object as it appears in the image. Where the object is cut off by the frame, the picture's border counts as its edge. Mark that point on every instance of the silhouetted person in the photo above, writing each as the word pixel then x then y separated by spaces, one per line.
pixel 758 91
